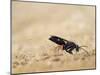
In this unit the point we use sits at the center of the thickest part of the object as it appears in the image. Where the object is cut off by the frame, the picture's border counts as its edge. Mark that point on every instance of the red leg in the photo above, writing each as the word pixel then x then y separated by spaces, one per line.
pixel 58 48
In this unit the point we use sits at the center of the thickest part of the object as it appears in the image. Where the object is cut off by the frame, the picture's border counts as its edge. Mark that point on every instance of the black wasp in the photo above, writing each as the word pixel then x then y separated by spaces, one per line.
pixel 68 46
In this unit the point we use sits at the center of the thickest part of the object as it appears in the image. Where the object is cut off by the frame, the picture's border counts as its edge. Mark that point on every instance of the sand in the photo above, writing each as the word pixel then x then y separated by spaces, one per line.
pixel 33 24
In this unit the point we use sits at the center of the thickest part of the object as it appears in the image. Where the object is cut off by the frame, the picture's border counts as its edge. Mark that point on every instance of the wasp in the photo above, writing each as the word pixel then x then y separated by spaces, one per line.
pixel 68 46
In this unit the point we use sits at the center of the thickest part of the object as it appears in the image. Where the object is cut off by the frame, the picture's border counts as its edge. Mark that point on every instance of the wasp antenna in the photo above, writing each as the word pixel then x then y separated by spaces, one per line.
pixel 83 46
pixel 85 51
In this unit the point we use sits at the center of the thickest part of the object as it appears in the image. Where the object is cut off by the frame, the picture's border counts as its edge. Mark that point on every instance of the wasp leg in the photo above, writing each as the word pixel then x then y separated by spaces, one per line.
pixel 69 52
pixel 57 49
pixel 70 49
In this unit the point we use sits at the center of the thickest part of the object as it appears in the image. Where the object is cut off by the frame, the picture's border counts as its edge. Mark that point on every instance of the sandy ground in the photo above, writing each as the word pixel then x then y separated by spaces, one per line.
pixel 34 23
